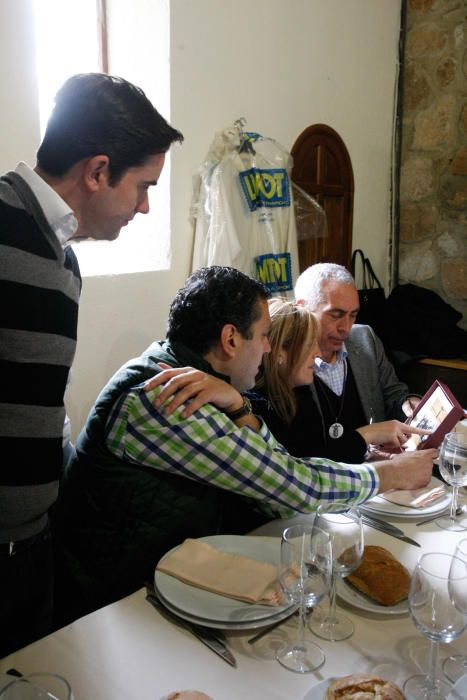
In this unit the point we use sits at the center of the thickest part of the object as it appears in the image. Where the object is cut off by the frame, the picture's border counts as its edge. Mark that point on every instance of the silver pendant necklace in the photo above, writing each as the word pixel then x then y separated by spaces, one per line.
pixel 336 429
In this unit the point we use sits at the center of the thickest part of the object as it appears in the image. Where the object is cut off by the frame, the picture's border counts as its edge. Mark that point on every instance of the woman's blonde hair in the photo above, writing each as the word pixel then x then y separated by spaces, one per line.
pixel 293 328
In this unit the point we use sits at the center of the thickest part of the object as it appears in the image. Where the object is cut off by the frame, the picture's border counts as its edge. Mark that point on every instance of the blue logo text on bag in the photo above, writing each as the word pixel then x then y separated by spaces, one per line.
pixel 275 271
pixel 265 188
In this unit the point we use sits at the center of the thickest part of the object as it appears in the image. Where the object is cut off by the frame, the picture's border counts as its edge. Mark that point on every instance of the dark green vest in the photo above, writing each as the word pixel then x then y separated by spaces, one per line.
pixel 114 520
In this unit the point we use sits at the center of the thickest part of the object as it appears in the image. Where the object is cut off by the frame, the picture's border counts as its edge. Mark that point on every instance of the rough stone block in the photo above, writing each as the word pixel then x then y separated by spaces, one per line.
pixel 454 277
pixel 416 88
pixel 416 179
pixel 459 164
pixel 448 244
pixel 425 40
pixel 418 262
pixel 446 71
pixel 453 194
pixel 435 127
pixel 417 221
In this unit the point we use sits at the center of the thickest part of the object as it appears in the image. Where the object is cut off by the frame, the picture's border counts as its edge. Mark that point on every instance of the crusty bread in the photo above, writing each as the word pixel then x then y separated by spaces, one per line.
pixel 381 576
pixel 187 695
pixel 362 686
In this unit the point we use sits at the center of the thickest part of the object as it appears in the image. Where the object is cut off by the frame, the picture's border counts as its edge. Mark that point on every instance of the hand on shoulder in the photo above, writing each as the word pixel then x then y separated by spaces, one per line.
pixel 187 384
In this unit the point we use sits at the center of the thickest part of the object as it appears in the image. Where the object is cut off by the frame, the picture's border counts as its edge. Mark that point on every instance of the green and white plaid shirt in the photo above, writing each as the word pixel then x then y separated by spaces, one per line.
pixel 209 447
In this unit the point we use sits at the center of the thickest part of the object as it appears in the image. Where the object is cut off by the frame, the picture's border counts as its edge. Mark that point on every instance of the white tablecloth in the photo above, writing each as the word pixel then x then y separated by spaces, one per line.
pixel 129 651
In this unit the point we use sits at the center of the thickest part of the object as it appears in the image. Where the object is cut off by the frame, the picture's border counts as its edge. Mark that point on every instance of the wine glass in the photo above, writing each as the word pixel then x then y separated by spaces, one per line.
pixel 37 686
pixel 437 589
pixel 305 576
pixel 344 525
pixel 453 469
pixel 455 666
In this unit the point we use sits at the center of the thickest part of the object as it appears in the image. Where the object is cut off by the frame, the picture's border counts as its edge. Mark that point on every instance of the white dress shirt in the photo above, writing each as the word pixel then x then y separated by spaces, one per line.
pixel 333 374
pixel 57 212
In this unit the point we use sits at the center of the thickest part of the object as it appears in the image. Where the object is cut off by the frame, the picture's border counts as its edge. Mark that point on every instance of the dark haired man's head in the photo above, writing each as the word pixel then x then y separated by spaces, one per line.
pixel 103 149
pixel 222 314
pixel 95 114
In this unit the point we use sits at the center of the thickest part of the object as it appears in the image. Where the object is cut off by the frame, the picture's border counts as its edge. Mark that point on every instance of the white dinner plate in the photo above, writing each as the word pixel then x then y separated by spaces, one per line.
pixel 199 603
pixel 318 691
pixel 380 506
pixel 6 678
pixel 222 624
pixel 255 624
pixel 459 689
pixel 350 595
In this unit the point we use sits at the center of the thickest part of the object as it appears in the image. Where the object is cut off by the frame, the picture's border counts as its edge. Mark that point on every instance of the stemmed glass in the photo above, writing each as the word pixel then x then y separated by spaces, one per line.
pixel 344 526
pixel 455 666
pixel 305 576
pixel 453 469
pixel 437 591
pixel 37 686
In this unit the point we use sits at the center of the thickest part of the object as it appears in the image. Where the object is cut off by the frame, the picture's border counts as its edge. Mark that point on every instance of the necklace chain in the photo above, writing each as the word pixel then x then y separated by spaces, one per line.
pixel 336 429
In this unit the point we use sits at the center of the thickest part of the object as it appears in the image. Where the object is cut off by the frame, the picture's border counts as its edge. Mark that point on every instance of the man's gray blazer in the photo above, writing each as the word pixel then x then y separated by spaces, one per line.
pixel 380 391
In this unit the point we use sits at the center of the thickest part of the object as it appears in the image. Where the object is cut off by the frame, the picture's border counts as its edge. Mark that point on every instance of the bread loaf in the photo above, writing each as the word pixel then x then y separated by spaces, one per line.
pixel 381 576
pixel 362 686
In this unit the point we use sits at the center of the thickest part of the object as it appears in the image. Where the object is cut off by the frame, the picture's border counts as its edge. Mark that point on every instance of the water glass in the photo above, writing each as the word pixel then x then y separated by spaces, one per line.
pixel 453 469
pixel 437 590
pixel 344 526
pixel 37 686
pixel 305 576
pixel 455 666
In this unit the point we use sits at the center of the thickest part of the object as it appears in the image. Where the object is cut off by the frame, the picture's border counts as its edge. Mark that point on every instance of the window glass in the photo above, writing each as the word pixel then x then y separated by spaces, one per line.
pixel 67 42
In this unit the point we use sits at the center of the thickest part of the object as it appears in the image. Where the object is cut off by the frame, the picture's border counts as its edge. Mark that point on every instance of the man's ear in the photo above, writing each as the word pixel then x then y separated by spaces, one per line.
pixel 96 172
pixel 229 339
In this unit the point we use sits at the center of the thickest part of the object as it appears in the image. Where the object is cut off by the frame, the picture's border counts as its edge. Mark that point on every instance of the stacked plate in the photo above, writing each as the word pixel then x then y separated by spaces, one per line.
pixel 380 506
pixel 212 610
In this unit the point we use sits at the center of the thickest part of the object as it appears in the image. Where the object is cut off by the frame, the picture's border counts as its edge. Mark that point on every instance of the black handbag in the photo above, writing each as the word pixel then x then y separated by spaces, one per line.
pixel 371 295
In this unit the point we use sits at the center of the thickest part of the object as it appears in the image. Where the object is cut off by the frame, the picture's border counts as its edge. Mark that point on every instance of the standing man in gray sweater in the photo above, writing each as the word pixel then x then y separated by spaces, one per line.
pixel 104 147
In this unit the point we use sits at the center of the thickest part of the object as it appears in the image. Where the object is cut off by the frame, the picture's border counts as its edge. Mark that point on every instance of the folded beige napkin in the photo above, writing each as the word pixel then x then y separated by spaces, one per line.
pixel 418 498
pixel 200 564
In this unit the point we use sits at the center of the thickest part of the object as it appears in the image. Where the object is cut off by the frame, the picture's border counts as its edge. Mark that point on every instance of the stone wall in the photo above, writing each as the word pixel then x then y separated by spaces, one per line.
pixel 433 183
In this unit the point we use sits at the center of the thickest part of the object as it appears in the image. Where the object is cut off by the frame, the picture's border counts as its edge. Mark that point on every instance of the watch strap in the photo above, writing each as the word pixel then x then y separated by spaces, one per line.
pixel 240 412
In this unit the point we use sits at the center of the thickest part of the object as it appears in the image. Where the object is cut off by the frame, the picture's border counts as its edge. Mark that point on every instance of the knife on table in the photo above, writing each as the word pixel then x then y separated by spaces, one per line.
pixel 387 528
pixel 209 637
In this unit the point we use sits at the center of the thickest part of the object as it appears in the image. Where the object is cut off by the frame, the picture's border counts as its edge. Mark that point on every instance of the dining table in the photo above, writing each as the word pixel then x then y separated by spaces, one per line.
pixel 131 651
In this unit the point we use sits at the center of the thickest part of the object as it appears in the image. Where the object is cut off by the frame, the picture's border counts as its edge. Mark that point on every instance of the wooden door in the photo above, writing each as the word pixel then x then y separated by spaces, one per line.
pixel 322 167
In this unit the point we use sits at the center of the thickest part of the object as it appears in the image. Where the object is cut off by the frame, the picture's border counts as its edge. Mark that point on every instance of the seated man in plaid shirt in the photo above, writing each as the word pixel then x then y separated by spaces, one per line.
pixel 145 478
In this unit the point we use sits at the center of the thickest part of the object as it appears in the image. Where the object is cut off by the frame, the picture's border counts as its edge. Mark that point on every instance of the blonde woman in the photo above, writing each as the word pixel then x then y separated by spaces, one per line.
pixel 293 338
pixel 284 400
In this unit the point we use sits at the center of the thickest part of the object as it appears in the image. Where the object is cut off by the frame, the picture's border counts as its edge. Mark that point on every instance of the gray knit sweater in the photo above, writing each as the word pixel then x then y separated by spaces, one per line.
pixel 40 285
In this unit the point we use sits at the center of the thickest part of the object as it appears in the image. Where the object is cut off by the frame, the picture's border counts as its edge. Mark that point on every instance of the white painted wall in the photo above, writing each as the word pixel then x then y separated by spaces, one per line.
pixel 328 61
pixel 19 114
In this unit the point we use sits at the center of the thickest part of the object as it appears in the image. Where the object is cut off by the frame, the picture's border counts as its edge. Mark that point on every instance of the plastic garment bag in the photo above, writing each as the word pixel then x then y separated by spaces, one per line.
pixel 243 209
pixel 310 217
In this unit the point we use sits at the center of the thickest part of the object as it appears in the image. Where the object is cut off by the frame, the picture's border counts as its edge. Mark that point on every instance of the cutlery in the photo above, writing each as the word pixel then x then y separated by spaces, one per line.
pixel 387 528
pixel 269 628
pixel 209 637
pixel 459 511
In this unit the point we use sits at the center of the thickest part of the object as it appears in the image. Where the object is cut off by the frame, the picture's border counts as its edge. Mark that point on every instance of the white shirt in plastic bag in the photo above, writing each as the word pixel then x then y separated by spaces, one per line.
pixel 243 210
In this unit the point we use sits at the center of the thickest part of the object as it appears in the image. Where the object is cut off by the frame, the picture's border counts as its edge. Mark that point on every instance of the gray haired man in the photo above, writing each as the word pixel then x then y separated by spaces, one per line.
pixel 352 356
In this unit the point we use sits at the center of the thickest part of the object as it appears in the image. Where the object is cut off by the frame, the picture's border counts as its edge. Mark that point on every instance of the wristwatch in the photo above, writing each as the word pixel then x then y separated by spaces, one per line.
pixel 240 412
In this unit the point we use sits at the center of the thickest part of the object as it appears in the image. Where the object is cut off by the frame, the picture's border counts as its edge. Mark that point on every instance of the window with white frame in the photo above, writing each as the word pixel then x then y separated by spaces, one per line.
pixel 126 39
